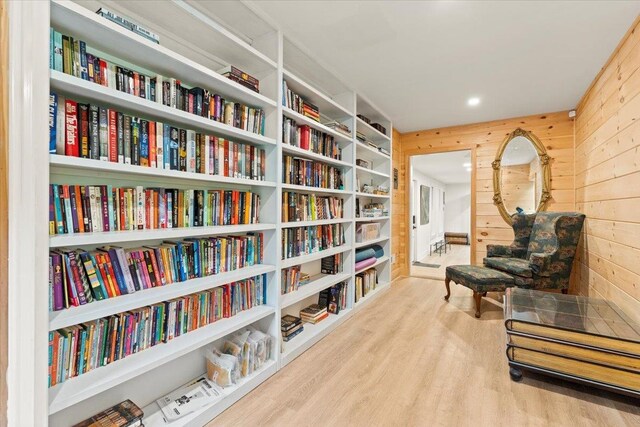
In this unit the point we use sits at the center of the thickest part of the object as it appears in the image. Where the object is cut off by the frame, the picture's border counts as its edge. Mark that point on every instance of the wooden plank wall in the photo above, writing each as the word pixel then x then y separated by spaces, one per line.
pixel 608 179
pixel 399 220
pixel 555 130
pixel 4 132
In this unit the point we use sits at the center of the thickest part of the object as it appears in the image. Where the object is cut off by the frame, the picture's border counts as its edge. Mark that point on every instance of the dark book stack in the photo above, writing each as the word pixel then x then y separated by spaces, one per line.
pixel 94 132
pixel 70 56
pixel 364 118
pixel 334 298
pixel 310 173
pixel 124 414
pixel 307 138
pixel 81 348
pixel 299 241
pixel 78 277
pixel 290 326
pixel 379 128
pixel 310 207
pixel 239 76
pixel 331 264
pixel 313 314
pixel 97 208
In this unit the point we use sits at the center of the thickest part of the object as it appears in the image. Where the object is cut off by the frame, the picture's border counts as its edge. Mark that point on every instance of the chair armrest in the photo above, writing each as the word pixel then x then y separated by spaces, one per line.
pixel 498 251
pixel 540 263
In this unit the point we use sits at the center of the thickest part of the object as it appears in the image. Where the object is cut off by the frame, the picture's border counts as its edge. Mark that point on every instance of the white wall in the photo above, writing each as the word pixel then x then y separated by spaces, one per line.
pixel 432 231
pixel 457 209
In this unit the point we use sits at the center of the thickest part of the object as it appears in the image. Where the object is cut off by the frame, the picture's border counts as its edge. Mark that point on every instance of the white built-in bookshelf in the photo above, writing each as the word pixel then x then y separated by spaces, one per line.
pixel 193 46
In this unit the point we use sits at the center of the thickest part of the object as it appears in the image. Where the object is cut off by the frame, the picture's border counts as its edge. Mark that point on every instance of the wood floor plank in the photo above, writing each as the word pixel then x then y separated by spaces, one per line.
pixel 412 359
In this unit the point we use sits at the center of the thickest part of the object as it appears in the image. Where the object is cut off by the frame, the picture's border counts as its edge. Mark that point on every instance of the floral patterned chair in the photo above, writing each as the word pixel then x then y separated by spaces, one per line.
pixel 541 255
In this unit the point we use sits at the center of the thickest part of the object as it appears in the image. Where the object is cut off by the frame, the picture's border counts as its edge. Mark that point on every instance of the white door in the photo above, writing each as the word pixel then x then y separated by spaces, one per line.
pixel 413 208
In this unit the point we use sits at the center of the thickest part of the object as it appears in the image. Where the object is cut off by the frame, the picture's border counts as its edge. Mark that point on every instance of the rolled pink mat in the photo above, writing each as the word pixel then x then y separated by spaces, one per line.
pixel 365 263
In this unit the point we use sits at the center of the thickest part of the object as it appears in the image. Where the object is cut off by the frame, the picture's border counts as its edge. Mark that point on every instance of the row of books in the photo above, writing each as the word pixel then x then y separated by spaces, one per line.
pixel 78 277
pixel 78 349
pixel 292 278
pixel 295 102
pixel 310 207
pixel 300 241
pixel 73 56
pixel 97 208
pixel 94 132
pixel 366 281
pixel 307 138
pixel 334 298
pixel 332 264
pixel 239 76
pixel 128 24
pixel 310 173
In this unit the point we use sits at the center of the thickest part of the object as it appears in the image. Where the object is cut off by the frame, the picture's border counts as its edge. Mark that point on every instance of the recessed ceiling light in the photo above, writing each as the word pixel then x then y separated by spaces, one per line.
pixel 466 165
pixel 468 169
pixel 472 102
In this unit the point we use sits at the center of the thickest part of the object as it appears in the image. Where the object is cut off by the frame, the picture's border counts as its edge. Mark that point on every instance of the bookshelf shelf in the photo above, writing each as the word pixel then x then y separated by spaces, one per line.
pixel 77 389
pixel 104 35
pixel 304 189
pixel 370 132
pixel 85 90
pixel 103 238
pixel 68 165
pixel 311 335
pixel 292 224
pixel 380 261
pixel 325 104
pixel 153 414
pixel 316 284
pixel 290 262
pixel 369 219
pixel 371 172
pixel 299 152
pixel 366 152
pixel 371 242
pixel 372 196
pixel 98 309
pixel 300 119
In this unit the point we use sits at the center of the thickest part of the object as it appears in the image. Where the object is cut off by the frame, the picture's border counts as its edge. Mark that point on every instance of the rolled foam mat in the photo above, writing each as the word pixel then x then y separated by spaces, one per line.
pixel 362 254
pixel 365 263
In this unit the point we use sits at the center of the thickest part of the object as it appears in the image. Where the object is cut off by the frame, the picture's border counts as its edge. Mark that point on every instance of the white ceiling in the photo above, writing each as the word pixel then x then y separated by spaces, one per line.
pixel 444 167
pixel 421 61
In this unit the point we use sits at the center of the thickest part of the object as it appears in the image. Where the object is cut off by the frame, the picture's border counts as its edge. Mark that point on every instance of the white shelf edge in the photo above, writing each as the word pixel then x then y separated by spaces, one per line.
pixel 303 259
pixel 153 414
pixel 371 242
pixel 373 196
pixel 370 149
pixel 311 335
pixel 99 309
pixel 85 89
pixel 379 261
pixel 296 151
pixel 376 218
pixel 293 224
pixel 87 385
pixel 213 80
pixel 289 75
pixel 371 172
pixel 305 189
pixel 299 118
pixel 91 165
pixel 311 288
pixel 372 131
pixel 101 238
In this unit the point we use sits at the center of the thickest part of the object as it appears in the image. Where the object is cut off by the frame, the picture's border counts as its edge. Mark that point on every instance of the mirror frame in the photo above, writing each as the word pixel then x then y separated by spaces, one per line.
pixel 544 165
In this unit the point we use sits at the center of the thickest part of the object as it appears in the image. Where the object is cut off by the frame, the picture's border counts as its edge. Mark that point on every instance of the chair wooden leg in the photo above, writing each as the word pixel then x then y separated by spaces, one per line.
pixel 446 283
pixel 477 296
pixel 565 291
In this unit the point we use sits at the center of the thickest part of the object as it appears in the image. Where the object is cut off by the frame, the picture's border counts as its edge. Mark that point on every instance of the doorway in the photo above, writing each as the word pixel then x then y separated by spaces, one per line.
pixel 440 212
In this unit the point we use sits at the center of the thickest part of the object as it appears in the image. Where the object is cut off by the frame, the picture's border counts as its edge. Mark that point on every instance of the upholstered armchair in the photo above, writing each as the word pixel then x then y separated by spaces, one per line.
pixel 541 256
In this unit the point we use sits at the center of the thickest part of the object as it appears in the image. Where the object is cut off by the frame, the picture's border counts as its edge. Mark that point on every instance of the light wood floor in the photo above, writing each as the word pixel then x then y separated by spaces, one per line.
pixel 411 359
pixel 456 254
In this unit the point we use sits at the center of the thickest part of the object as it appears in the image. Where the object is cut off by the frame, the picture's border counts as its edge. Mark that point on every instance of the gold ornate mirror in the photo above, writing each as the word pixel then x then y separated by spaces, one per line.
pixel 521 175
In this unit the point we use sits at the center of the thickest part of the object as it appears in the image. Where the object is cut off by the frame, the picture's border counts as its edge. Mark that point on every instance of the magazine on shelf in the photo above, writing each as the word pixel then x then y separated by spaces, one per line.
pixel 189 398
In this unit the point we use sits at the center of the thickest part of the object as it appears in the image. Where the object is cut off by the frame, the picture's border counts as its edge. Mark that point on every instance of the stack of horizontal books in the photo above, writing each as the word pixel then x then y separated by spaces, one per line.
pixel 313 314
pixel 582 339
